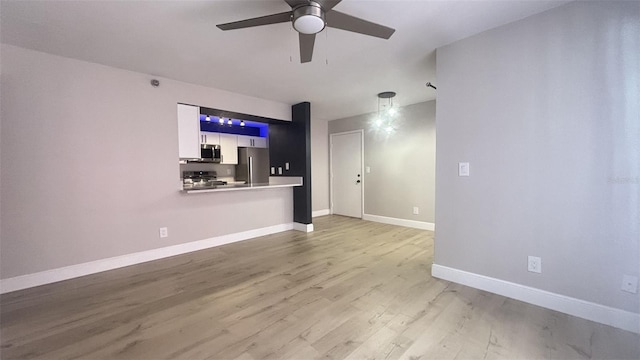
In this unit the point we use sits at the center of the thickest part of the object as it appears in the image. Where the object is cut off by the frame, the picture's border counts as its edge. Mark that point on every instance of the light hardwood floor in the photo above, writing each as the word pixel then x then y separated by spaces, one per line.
pixel 350 290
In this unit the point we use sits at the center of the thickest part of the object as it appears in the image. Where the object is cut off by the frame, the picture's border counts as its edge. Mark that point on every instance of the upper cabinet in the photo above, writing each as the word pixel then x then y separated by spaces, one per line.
pixel 188 131
pixel 209 138
pixel 229 149
pixel 252 141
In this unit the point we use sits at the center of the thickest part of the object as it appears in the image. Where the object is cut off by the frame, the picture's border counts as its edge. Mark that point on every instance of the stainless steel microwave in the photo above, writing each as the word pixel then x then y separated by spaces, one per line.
pixel 210 153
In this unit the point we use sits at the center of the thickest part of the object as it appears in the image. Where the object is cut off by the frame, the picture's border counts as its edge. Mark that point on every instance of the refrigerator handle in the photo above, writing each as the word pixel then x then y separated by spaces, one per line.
pixel 250 170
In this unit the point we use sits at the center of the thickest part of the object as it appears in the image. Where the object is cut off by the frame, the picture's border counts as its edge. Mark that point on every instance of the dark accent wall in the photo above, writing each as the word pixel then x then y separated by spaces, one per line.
pixel 291 142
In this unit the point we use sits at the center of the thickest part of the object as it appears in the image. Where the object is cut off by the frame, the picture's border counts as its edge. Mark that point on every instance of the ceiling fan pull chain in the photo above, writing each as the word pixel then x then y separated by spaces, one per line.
pixel 326 44
pixel 291 52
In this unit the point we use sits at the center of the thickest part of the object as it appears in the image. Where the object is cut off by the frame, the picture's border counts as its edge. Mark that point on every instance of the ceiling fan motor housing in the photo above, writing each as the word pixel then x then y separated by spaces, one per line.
pixel 309 19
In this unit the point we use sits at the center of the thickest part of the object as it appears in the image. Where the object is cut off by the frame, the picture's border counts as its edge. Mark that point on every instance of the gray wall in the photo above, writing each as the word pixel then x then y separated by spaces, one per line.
pixel 319 164
pixel 90 165
pixel 547 112
pixel 402 165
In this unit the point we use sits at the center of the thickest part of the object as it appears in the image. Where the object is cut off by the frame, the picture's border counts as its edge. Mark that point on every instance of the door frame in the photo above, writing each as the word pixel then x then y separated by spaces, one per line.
pixel 362 177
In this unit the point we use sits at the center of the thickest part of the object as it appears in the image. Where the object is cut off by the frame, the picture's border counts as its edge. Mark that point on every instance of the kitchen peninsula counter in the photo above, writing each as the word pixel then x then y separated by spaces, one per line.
pixel 274 183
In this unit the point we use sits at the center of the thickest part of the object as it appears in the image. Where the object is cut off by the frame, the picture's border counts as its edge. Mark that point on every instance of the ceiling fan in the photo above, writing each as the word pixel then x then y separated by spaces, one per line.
pixel 309 17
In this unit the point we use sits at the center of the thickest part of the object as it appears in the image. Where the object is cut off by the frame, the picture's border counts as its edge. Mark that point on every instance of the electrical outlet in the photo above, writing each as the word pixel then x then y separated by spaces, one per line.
pixel 416 210
pixel 286 166
pixel 368 169
pixel 535 264
pixel 164 232
pixel 629 284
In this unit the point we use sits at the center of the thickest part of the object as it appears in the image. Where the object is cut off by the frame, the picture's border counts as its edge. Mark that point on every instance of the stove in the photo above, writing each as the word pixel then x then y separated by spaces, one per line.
pixel 193 180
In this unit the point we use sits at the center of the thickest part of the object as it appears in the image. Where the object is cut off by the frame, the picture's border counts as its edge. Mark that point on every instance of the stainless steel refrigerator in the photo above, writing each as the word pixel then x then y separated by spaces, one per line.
pixel 253 165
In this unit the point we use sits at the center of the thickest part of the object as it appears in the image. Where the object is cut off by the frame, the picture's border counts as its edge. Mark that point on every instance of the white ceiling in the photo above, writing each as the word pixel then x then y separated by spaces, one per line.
pixel 179 40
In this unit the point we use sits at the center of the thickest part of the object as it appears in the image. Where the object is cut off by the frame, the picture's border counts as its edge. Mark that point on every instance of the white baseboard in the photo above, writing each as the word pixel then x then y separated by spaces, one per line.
pixel 73 271
pixel 622 319
pixel 400 222
pixel 303 227
pixel 322 212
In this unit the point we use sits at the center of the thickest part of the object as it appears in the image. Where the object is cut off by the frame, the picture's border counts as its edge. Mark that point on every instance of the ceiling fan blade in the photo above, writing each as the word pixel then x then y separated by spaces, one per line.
pixel 327 5
pixel 338 20
pixel 306 46
pixel 262 20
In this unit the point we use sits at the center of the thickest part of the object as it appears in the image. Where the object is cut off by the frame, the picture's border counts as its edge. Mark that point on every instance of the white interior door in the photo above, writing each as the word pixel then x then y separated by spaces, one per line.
pixel 346 174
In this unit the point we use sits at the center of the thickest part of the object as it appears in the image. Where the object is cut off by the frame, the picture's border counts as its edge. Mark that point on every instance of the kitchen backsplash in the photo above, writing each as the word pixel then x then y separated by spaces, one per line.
pixel 225 172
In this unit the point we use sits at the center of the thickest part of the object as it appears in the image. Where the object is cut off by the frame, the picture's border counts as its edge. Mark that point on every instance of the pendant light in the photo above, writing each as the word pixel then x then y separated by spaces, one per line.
pixel 385 118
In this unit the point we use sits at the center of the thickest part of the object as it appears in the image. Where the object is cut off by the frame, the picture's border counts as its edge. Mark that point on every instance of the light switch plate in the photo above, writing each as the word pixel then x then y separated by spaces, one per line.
pixel 463 169
pixel 286 166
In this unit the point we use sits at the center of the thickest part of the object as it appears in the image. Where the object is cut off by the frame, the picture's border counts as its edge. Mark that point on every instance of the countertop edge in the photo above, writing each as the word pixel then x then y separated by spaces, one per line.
pixel 245 188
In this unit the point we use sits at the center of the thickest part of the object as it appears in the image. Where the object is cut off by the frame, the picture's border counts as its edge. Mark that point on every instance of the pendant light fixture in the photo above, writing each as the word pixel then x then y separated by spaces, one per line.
pixel 385 118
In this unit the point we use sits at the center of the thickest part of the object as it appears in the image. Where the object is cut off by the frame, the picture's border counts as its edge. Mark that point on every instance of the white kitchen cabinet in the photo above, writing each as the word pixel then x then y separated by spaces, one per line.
pixel 252 141
pixel 229 149
pixel 209 138
pixel 188 131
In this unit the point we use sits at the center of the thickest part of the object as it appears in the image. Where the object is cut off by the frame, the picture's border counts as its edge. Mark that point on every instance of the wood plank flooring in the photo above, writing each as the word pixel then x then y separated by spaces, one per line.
pixel 350 290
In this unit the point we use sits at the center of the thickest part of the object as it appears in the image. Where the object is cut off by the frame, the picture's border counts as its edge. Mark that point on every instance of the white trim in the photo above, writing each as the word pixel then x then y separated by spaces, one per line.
pixel 622 319
pixel 73 271
pixel 401 222
pixel 362 177
pixel 322 212
pixel 303 227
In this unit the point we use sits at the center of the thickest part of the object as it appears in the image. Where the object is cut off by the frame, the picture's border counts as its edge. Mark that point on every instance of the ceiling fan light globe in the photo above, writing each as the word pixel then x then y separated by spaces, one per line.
pixel 308 24
pixel 308 19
